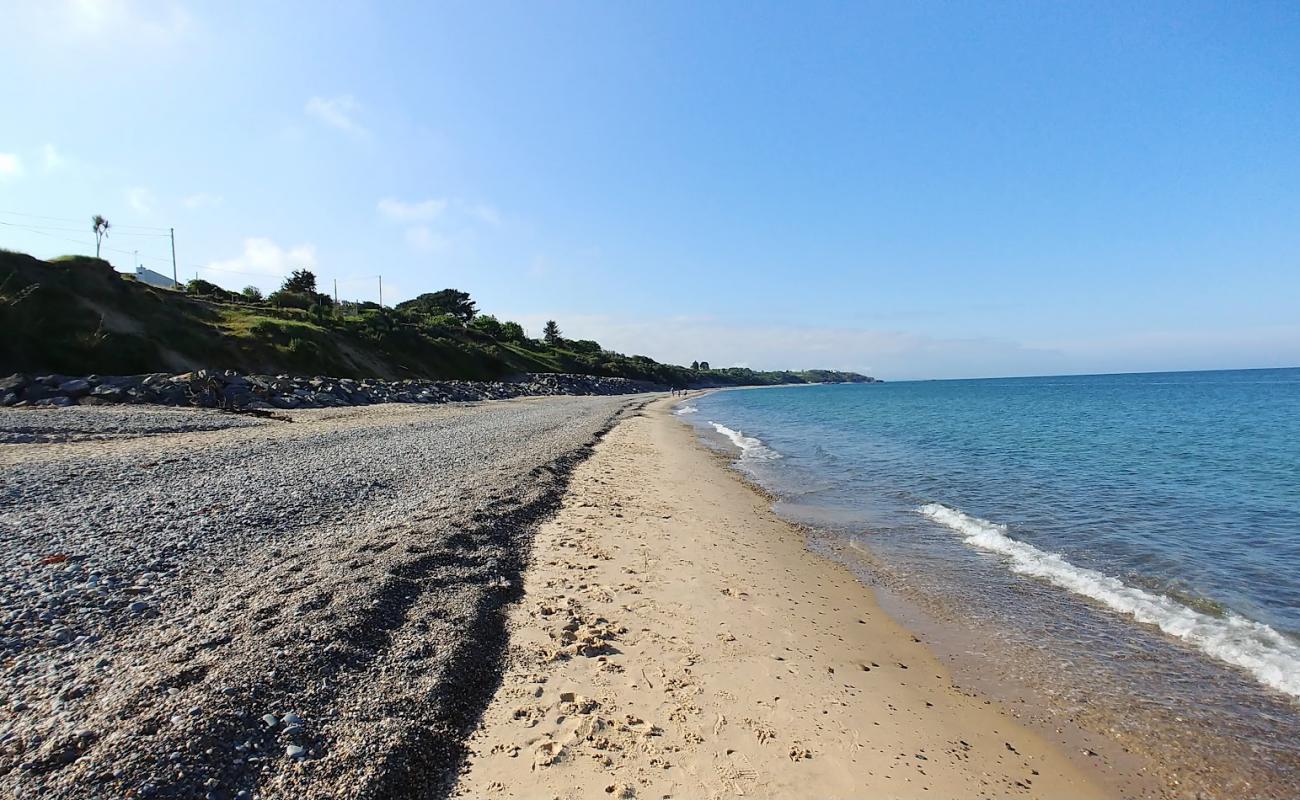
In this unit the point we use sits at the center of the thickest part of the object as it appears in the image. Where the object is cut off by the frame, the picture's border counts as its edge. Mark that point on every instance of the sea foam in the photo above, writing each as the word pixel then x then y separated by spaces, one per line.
pixel 683 410
pixel 1268 655
pixel 751 448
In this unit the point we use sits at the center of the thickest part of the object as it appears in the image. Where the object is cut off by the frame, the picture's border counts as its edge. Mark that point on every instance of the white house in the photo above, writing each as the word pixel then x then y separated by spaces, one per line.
pixel 154 278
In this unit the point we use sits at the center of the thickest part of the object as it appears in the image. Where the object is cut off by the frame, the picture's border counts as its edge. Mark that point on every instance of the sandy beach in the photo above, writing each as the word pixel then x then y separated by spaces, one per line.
pixel 677 639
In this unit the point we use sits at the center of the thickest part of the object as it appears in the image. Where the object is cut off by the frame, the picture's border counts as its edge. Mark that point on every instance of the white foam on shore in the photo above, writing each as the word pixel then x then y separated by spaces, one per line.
pixel 683 410
pixel 1272 658
pixel 751 448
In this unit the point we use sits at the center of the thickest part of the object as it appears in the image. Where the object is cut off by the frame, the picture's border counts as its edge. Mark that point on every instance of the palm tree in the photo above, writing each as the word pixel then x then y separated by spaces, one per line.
pixel 100 226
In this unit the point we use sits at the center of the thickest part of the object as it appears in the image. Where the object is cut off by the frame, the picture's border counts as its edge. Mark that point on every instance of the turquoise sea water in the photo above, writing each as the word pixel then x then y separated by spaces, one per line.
pixel 1144 519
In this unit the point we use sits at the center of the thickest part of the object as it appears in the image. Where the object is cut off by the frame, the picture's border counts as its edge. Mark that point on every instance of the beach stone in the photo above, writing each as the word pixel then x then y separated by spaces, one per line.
pixel 77 387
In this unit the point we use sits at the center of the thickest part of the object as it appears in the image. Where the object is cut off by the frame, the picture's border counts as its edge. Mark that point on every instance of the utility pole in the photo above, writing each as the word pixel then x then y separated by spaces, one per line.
pixel 176 284
pixel 381 291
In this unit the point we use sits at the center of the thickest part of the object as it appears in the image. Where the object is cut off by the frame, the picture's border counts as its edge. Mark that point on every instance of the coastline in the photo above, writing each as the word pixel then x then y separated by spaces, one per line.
pixel 678 639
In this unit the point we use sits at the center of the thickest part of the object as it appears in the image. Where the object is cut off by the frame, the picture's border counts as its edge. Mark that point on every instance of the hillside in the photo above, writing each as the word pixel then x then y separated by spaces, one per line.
pixel 77 315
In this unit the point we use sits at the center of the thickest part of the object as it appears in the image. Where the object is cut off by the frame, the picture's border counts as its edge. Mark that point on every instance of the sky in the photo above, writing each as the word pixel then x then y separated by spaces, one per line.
pixel 911 190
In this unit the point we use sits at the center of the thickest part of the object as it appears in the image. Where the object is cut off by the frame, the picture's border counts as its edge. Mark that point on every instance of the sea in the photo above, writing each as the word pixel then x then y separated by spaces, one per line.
pixel 1114 554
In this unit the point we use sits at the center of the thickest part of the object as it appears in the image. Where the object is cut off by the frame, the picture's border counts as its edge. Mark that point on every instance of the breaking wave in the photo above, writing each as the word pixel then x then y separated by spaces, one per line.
pixel 1268 655
pixel 751 448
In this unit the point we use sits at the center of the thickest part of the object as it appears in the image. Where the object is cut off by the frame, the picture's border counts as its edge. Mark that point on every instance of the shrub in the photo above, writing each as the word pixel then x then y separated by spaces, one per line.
pixel 253 294
pixel 287 299
pixel 203 288
pixel 442 325
pixel 585 346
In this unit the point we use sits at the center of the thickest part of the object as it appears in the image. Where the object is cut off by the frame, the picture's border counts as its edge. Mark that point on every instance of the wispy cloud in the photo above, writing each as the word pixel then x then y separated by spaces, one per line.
pixel 11 166
pixel 882 353
pixel 201 200
pixel 457 218
pixel 140 199
pixel 51 158
pixel 115 23
pixel 486 213
pixel 423 238
pixel 264 257
pixel 422 211
pixel 339 112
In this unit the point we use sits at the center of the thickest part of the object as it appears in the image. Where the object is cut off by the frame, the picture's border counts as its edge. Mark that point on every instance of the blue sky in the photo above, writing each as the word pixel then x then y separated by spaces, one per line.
pixel 909 189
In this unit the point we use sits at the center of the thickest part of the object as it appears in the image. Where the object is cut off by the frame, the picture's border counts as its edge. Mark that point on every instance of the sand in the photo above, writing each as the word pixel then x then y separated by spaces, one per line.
pixel 677 639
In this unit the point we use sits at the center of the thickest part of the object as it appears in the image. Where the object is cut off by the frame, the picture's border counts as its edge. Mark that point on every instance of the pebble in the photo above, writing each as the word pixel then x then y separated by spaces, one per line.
pixel 148 520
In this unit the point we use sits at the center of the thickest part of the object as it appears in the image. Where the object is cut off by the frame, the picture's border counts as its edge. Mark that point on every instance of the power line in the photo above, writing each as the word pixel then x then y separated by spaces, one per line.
pixel 82 242
pixel 78 230
pixel 69 219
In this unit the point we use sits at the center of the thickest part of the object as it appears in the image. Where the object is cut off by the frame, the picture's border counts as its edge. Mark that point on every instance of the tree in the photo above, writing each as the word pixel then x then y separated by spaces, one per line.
pixel 551 333
pixel 252 294
pixel 301 281
pixel 448 301
pixel 100 226
pixel 487 324
pixel 704 365
pixel 512 332
pixel 695 365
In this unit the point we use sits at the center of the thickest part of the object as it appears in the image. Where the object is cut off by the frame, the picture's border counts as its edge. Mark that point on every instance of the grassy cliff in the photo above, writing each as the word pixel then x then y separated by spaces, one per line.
pixel 77 315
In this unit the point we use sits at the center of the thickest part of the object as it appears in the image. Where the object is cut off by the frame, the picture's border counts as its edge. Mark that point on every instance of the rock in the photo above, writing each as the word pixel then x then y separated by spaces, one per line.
pixel 138 607
pixel 230 390
pixel 271 720
pixel 77 387
pixel 295 751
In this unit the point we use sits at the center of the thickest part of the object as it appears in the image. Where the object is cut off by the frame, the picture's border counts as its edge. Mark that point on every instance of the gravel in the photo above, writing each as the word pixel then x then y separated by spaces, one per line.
pixel 265 608
pixel 88 423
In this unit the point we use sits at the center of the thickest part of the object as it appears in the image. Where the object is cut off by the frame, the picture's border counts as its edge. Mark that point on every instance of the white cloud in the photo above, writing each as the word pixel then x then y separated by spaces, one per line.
pixel 11 166
pixel 202 200
pixel 338 112
pixel 51 159
pixel 422 211
pixel 265 257
pixel 140 199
